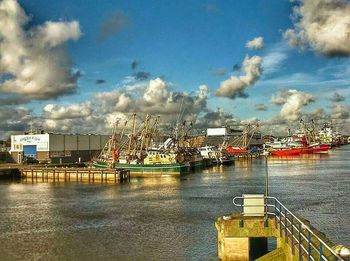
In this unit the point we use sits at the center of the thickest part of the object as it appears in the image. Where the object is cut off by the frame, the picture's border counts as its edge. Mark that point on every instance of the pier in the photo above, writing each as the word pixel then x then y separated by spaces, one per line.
pixel 9 173
pixel 245 235
pixel 90 175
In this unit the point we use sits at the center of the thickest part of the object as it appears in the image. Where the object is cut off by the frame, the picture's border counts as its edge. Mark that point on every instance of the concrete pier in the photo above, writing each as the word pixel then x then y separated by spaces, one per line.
pixel 75 175
pixel 245 236
pixel 10 173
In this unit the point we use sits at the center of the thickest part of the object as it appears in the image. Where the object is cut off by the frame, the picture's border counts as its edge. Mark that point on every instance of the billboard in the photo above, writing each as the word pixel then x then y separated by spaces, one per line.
pixel 40 140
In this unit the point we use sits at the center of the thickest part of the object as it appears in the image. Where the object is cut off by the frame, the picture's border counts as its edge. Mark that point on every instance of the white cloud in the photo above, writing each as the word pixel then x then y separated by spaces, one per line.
pixel 35 59
pixel 235 86
pixel 101 112
pixel 56 33
pixel 52 111
pixel 157 91
pixel 294 103
pixel 322 25
pixel 14 118
pixel 273 60
pixel 256 43
pixel 340 111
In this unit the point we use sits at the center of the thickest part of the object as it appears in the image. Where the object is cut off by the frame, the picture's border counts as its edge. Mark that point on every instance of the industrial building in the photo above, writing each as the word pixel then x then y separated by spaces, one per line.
pixel 56 148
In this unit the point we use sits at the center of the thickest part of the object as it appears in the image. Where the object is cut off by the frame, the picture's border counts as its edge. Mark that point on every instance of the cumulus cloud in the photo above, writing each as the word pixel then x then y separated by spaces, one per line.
pixel 322 25
pixel 260 107
pixel 34 58
pixel 100 113
pixel 280 97
pixel 337 97
pixel 235 86
pixel 157 91
pixel 14 118
pixel 113 101
pixel 56 33
pixel 294 103
pixel 216 118
pixel 256 43
pixel 113 24
pixel 340 111
pixel 52 111
pixel 159 98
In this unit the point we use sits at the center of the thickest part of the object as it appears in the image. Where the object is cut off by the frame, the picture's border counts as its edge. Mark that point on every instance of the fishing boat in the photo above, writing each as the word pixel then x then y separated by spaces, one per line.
pixel 286 152
pixel 216 155
pixel 154 164
pixel 136 153
pixel 240 145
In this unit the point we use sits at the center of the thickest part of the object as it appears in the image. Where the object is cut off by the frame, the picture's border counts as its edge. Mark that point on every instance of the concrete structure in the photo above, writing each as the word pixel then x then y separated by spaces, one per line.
pixel 245 236
pixel 56 148
pixel 223 131
pixel 217 131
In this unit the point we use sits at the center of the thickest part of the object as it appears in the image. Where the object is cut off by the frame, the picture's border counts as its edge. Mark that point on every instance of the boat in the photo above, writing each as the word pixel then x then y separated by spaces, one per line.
pixel 216 155
pixel 154 164
pixel 286 152
pixel 240 145
pixel 137 154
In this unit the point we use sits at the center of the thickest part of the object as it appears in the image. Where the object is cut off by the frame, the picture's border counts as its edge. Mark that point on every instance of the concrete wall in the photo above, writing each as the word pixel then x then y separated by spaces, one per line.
pixel 95 142
pixel 84 142
pixel 84 155
pixel 70 142
pixel 56 142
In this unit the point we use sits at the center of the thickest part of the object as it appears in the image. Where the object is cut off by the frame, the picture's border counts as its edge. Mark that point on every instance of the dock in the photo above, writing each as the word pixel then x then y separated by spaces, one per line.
pixel 9 173
pixel 90 175
pixel 245 235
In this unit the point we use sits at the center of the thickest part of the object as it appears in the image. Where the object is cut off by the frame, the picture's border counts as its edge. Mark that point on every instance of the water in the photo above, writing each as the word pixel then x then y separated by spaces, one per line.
pixel 165 218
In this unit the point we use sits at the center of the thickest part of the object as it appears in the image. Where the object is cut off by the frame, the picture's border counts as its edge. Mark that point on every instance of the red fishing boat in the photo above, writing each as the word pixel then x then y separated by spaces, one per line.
pixel 319 148
pixel 286 152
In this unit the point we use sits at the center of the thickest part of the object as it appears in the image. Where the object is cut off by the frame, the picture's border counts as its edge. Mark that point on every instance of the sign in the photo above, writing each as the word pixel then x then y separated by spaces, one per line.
pixel 40 140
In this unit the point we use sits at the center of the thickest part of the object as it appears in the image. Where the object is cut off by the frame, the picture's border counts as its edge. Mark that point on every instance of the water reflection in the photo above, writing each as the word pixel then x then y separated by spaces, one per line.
pixel 165 218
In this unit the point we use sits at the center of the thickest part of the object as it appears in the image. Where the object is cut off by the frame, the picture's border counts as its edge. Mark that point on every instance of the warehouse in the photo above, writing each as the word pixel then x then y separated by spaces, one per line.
pixel 56 148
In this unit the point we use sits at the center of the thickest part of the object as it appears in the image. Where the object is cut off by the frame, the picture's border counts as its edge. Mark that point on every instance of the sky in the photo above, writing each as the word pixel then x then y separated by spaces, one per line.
pixel 79 66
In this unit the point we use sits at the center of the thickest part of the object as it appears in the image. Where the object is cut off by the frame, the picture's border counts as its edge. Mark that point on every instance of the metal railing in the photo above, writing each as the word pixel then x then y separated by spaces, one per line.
pixel 294 231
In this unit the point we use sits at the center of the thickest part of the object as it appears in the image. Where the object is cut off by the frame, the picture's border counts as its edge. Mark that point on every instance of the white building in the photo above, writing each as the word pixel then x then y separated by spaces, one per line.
pixel 56 148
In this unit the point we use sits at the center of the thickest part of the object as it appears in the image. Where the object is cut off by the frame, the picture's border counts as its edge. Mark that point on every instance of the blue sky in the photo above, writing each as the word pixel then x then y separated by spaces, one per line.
pixel 184 43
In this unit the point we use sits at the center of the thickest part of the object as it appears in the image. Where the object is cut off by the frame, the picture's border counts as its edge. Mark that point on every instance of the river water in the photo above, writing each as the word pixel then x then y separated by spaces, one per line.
pixel 166 218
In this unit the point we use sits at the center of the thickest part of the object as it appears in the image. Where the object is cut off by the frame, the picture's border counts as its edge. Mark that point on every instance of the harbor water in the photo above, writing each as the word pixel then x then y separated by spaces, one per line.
pixel 166 218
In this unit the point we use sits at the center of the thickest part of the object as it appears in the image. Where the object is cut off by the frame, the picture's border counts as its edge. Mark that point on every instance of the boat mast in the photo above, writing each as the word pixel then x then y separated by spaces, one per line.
pixel 144 133
pixel 133 133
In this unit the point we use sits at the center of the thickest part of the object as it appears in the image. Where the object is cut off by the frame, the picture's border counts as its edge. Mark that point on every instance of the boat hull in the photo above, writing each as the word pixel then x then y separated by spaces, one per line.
pixel 286 152
pixel 150 170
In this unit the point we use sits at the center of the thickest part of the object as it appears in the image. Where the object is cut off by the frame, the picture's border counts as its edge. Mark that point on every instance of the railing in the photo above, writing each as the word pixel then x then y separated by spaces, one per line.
pixel 295 230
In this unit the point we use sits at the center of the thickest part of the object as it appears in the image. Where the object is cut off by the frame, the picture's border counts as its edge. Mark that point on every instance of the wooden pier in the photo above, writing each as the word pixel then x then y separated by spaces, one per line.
pixel 90 175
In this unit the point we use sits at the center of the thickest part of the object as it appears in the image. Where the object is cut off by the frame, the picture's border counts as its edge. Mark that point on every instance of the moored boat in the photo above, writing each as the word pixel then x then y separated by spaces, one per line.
pixel 286 152
pixel 138 155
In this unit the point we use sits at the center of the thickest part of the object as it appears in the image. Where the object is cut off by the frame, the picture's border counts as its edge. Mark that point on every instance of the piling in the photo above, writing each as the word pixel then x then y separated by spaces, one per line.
pixel 76 175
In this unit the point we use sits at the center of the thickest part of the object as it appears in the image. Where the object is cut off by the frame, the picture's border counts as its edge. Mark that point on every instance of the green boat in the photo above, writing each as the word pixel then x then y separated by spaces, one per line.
pixel 148 170
pixel 139 154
